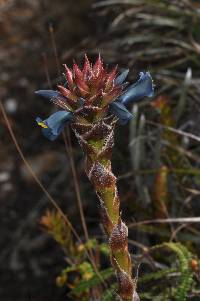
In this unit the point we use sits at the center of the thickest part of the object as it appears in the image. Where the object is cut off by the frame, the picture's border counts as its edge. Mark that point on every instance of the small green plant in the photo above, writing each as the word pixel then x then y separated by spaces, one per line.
pixel 186 273
pixel 81 278
pixel 178 274
pixel 79 275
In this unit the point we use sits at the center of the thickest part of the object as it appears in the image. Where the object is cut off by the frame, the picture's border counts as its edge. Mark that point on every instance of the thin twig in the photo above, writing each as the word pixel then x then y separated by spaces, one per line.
pixel 179 132
pixel 184 171
pixel 51 30
pixel 167 220
pixel 46 70
pixel 177 230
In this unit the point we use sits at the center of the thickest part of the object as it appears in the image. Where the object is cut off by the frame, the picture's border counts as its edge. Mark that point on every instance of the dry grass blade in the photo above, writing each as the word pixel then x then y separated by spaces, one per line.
pixel 46 71
pixel 114 2
pixel 183 97
pixel 137 151
pixel 179 132
pixel 189 220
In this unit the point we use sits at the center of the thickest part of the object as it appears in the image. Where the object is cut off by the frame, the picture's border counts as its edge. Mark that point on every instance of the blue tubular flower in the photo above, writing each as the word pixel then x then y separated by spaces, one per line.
pixel 50 94
pixel 54 124
pixel 143 87
pixel 119 110
pixel 91 91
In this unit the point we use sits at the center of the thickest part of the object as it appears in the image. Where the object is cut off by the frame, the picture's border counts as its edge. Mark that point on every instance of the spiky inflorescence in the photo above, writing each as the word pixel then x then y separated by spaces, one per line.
pixel 93 102
pixel 95 133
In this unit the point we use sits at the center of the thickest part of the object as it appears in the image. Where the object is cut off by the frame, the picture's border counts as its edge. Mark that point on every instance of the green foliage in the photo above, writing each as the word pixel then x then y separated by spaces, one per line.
pixel 79 276
pixel 95 280
pixel 84 269
pixel 186 273
pixel 179 274
pixel 170 283
pixel 156 275
pixel 109 293
pixel 54 224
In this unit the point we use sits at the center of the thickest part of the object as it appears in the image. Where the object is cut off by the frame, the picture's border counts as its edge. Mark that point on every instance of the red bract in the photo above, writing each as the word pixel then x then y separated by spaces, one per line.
pixel 90 82
pixel 67 93
pixel 69 77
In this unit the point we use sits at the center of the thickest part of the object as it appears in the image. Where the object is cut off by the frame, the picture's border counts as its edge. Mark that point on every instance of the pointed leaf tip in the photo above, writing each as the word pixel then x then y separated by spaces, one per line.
pixel 110 78
pixel 69 76
pixel 98 66
pixel 77 71
pixel 86 67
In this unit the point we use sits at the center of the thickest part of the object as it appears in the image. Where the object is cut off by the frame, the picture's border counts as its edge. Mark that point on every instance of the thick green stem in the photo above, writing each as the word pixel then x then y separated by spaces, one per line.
pixel 97 143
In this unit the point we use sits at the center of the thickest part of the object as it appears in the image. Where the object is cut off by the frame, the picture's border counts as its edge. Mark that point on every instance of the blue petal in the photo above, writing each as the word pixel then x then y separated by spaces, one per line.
pixel 50 94
pixel 54 124
pixel 121 78
pixel 58 120
pixel 119 110
pixel 48 134
pixel 47 93
pixel 143 87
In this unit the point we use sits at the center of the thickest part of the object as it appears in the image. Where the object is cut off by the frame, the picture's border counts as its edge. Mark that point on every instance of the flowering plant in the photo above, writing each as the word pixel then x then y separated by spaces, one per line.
pixel 93 100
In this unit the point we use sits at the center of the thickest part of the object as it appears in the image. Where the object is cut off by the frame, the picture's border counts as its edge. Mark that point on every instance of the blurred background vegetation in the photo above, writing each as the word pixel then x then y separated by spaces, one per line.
pixel 156 157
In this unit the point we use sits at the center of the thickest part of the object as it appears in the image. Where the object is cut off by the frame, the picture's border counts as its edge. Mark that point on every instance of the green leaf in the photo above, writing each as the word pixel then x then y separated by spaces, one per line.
pixel 108 295
pixel 84 285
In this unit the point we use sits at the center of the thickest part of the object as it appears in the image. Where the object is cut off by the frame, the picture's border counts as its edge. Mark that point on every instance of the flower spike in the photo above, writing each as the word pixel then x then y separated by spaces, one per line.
pixel 93 101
